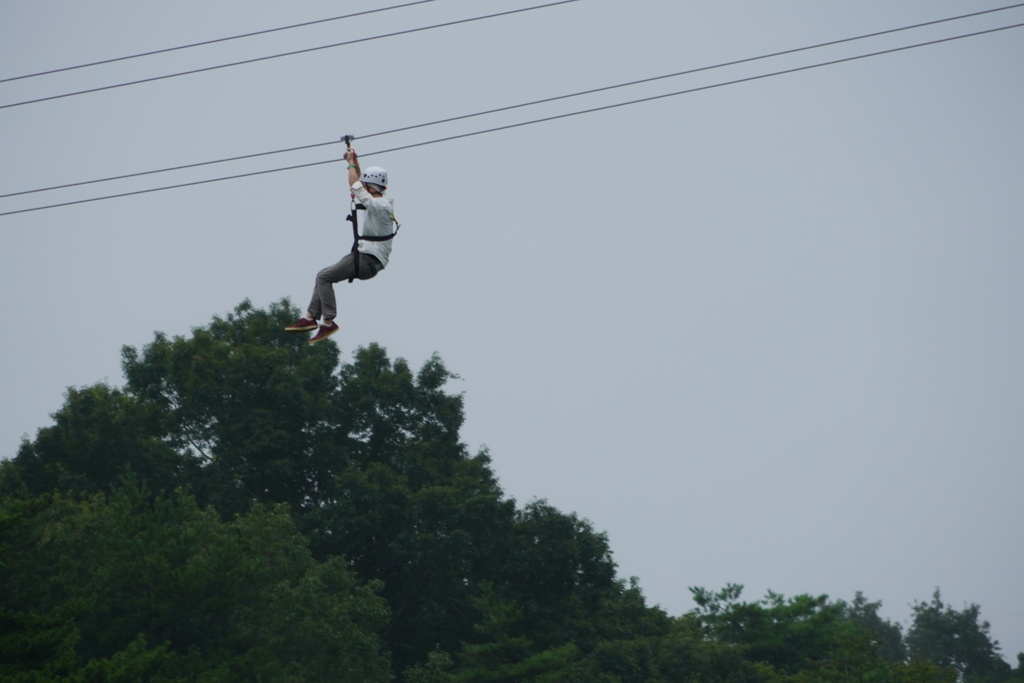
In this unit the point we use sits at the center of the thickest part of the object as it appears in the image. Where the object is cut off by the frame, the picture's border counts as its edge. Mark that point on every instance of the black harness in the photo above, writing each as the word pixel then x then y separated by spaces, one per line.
pixel 353 218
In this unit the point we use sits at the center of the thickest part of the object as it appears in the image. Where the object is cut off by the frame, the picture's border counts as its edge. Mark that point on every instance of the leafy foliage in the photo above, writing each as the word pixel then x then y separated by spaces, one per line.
pixel 955 639
pixel 246 404
pixel 247 508
pixel 97 436
pixel 133 587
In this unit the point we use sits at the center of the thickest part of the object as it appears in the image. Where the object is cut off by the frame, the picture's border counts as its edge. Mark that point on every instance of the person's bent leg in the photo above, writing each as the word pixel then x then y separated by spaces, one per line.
pixel 325 279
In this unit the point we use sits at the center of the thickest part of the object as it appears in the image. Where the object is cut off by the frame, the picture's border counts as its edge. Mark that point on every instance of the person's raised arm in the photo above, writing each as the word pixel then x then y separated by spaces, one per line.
pixel 353 166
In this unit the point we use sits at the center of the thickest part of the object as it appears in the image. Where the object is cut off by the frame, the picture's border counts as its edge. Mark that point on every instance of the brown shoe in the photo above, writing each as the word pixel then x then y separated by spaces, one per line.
pixel 324 332
pixel 301 325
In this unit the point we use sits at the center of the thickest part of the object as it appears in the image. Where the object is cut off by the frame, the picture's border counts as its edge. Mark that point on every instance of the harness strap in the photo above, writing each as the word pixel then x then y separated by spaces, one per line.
pixel 353 218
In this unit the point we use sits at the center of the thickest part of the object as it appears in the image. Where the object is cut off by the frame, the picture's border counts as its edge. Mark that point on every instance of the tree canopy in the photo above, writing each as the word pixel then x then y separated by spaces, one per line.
pixel 246 507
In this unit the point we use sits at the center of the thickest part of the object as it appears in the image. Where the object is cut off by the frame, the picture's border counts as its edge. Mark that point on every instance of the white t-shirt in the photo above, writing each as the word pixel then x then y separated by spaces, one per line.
pixel 379 220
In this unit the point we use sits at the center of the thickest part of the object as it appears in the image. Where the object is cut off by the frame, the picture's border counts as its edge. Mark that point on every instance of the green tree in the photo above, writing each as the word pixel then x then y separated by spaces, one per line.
pixel 921 671
pixel 688 655
pixel 555 607
pixel 143 588
pixel 1018 673
pixel 884 634
pixel 98 435
pixel 368 460
pixel 408 505
pixel 956 639
pixel 560 573
pixel 245 401
pixel 803 635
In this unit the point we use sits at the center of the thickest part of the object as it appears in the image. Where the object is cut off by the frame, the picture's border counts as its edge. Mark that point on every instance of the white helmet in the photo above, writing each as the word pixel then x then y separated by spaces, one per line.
pixel 375 175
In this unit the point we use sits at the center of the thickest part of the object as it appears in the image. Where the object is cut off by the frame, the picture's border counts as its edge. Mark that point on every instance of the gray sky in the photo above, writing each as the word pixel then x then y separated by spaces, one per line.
pixel 767 333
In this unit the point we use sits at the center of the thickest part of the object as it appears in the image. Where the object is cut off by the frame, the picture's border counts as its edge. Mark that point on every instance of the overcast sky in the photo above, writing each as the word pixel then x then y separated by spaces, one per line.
pixel 768 333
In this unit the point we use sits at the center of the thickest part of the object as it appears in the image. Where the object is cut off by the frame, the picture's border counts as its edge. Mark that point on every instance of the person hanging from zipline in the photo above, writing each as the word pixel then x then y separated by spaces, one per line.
pixel 370 250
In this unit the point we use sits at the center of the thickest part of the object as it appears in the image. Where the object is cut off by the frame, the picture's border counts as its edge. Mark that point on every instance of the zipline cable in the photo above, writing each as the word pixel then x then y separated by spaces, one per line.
pixel 286 54
pixel 519 106
pixel 176 168
pixel 693 90
pixel 697 70
pixel 211 42
pixel 534 121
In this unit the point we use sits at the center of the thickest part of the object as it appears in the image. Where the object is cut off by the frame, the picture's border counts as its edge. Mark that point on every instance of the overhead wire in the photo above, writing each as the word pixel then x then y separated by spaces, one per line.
pixel 172 168
pixel 526 104
pixel 695 89
pixel 699 69
pixel 284 54
pixel 538 120
pixel 213 41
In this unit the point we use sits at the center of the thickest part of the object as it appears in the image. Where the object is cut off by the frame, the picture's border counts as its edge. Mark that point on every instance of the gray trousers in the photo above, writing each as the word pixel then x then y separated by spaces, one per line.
pixel 323 303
